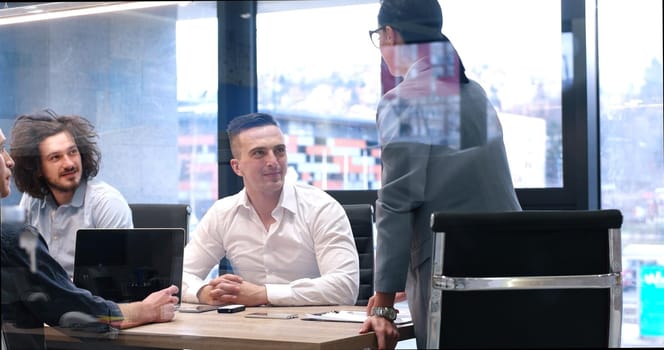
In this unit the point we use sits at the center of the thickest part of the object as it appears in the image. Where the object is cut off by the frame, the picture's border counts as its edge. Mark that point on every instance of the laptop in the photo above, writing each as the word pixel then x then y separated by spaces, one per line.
pixel 126 265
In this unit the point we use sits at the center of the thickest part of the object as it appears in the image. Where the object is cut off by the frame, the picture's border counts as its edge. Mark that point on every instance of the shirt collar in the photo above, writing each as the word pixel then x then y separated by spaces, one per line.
pixel 286 200
pixel 422 64
pixel 79 195
pixel 76 201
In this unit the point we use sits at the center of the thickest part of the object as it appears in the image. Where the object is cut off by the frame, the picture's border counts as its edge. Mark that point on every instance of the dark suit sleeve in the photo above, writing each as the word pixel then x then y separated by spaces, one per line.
pixel 30 299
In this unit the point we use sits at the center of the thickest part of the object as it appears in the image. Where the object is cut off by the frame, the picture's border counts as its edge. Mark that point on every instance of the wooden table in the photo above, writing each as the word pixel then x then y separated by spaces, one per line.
pixel 212 330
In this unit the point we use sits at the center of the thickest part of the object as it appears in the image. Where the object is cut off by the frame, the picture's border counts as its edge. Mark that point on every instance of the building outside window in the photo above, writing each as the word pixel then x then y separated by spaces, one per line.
pixel 325 91
pixel 632 156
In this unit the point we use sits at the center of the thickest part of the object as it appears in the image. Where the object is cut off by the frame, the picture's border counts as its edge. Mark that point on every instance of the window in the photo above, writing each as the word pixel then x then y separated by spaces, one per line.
pixel 323 87
pixel 147 80
pixel 530 57
pixel 632 155
pixel 326 88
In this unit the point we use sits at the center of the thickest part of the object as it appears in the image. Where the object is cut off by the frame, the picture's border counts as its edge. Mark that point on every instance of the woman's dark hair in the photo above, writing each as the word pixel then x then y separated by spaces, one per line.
pixel 418 21
pixel 30 130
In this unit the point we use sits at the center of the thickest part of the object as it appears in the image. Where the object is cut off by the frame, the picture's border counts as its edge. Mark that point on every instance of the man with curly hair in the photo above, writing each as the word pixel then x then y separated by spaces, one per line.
pixel 57 158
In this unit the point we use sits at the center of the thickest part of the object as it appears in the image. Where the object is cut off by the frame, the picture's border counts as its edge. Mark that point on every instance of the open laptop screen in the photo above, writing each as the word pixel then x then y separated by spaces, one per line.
pixel 126 265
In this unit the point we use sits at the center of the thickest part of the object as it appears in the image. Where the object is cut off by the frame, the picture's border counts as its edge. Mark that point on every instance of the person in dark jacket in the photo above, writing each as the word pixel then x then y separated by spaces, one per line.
pixel 36 290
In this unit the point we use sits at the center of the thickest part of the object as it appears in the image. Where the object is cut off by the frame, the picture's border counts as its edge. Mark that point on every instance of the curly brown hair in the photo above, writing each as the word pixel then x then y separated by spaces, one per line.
pixel 30 130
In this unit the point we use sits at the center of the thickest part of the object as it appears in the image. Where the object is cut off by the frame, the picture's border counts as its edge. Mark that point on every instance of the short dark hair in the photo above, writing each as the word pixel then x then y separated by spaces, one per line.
pixel 416 20
pixel 30 130
pixel 244 122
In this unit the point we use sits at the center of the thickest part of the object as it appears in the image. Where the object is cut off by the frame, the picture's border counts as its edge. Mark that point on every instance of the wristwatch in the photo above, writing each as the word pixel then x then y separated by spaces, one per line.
pixel 386 312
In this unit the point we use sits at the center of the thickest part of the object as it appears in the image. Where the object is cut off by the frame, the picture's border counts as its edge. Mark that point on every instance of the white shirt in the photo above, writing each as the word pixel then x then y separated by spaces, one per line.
pixel 95 204
pixel 308 256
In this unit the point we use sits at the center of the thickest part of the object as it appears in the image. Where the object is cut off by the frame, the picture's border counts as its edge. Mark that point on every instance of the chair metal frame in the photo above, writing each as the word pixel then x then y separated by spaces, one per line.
pixel 441 283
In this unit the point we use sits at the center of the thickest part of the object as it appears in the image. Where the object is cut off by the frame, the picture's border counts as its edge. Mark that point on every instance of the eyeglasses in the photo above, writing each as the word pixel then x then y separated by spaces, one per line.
pixel 374 35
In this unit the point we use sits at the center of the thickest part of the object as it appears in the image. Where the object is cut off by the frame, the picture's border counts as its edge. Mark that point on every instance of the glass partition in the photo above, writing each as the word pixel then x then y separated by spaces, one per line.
pixel 632 156
pixel 147 80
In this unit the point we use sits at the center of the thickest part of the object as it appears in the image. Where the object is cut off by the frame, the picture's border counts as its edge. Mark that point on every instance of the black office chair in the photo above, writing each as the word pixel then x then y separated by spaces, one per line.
pixel 528 279
pixel 160 215
pixel 361 222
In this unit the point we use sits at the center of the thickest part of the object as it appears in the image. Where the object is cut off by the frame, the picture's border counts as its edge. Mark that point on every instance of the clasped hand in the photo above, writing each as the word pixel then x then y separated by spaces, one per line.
pixel 232 289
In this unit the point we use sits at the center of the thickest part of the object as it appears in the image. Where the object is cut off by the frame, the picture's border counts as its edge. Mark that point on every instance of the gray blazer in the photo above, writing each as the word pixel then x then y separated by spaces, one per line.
pixel 442 150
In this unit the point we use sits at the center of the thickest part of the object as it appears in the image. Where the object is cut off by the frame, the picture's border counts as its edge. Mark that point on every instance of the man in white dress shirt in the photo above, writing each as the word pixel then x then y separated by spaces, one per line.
pixel 288 243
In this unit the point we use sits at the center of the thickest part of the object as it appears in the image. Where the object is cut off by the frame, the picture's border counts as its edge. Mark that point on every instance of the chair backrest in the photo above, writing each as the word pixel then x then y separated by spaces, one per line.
pixel 526 279
pixel 161 215
pixel 361 222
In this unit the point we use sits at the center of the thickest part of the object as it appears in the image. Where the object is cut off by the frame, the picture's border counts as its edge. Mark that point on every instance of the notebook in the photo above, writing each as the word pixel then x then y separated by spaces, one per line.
pixel 126 265
pixel 349 316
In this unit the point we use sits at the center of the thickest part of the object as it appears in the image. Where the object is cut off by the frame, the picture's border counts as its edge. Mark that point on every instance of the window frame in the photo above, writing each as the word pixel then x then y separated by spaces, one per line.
pixel 580 107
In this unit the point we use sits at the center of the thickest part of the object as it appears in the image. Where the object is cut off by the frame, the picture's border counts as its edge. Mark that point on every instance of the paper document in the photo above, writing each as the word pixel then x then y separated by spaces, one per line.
pixel 348 316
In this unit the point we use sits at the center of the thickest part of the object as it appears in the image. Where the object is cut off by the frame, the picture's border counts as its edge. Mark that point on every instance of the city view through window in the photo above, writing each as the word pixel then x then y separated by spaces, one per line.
pixel 632 156
pixel 326 95
pixel 324 86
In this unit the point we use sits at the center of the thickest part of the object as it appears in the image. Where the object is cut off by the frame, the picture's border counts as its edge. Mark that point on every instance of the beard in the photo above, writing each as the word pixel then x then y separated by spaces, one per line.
pixel 65 185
